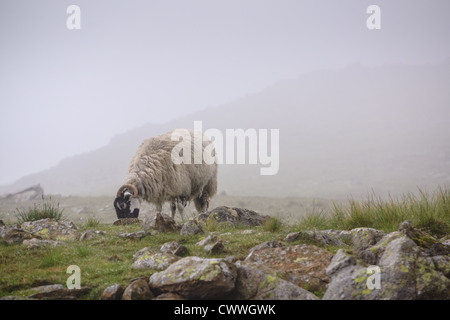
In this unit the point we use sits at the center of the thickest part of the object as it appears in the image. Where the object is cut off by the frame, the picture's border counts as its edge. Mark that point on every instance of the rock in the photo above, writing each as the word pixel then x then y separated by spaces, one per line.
pixel 212 238
pixel 148 258
pixel 214 248
pixel 175 248
pixel 234 216
pixel 212 244
pixel 196 278
pixel 191 228
pixel 6 228
pixel 267 244
pixel 407 269
pixel 58 293
pixel 48 288
pixel 37 243
pixel 13 236
pixel 348 279
pixel 133 235
pixel 32 193
pixel 52 229
pixel 160 222
pixel 321 237
pixel 169 296
pixel 362 238
pixel 91 234
pixel 254 284
pixel 303 265
pixel 138 290
pixel 126 221
pixel 423 240
pixel 113 292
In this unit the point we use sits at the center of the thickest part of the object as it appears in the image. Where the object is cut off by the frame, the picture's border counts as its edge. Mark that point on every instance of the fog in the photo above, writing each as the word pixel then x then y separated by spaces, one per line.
pixel 64 92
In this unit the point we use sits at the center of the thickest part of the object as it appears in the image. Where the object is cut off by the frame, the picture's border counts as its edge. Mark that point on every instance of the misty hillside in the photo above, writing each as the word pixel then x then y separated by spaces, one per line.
pixel 342 132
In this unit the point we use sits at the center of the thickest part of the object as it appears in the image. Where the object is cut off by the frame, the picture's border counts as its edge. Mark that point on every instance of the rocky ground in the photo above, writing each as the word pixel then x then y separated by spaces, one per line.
pixel 366 264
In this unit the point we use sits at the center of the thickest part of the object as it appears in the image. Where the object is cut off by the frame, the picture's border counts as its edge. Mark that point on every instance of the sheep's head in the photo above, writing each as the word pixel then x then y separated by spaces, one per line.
pixel 127 203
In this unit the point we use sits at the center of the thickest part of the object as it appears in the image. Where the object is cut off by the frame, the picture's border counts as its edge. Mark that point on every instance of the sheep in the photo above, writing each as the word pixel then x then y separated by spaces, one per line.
pixel 154 177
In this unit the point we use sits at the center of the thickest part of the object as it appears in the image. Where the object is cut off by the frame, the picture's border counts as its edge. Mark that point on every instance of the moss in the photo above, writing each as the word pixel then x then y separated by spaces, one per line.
pixel 269 281
pixel 361 277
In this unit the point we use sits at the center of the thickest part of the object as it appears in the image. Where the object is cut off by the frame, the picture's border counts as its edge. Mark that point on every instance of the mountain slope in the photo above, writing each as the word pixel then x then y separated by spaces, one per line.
pixel 344 132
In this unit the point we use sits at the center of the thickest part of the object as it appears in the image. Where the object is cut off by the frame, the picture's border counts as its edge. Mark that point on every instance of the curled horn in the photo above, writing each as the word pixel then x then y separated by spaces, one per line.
pixel 128 186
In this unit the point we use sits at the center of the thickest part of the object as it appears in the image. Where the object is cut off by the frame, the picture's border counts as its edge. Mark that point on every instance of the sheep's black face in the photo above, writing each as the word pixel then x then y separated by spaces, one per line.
pixel 126 206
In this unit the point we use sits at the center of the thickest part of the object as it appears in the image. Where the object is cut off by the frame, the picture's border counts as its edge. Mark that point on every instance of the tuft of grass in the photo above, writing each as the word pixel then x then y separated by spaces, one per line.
pixel 91 223
pixel 46 209
pixel 272 225
pixel 427 211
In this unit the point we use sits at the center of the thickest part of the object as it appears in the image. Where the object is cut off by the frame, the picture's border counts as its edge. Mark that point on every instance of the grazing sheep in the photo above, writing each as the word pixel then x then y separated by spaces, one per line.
pixel 155 178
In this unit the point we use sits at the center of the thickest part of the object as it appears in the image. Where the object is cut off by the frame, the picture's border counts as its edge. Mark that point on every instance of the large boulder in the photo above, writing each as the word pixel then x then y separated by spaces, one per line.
pixel 52 229
pixel 254 284
pixel 303 265
pixel 396 267
pixel 196 278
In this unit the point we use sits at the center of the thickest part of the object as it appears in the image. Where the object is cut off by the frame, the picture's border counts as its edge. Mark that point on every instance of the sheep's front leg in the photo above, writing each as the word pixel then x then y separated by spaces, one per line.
pixel 181 204
pixel 173 208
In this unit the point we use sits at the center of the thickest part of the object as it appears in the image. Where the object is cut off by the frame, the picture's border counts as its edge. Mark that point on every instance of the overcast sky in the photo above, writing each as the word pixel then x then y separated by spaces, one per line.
pixel 65 92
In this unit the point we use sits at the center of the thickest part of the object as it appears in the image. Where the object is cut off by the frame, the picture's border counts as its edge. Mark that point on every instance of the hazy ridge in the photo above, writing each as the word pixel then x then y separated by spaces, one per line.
pixel 342 132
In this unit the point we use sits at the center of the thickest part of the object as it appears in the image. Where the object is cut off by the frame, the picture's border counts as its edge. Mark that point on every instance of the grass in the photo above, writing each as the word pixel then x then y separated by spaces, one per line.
pixel 427 211
pixel 107 259
pixel 47 209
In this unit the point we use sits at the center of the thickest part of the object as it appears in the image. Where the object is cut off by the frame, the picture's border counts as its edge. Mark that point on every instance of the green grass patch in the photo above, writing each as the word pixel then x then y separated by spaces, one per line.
pixel 427 211
pixel 46 209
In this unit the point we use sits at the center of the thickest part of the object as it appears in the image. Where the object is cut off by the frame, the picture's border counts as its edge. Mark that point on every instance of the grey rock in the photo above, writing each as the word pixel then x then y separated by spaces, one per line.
pixel 58 293
pixel 407 269
pixel 91 234
pixel 138 290
pixel 126 221
pixel 52 229
pixel 148 258
pixel 196 278
pixel 32 193
pixel 175 248
pixel 234 216
pixel 160 222
pixel 267 244
pixel 13 236
pixel 37 243
pixel 254 284
pixel 133 235
pixel 214 248
pixel 212 244
pixel 190 228
pixel 303 265
pixel 169 296
pixel 322 237
pixel 113 292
